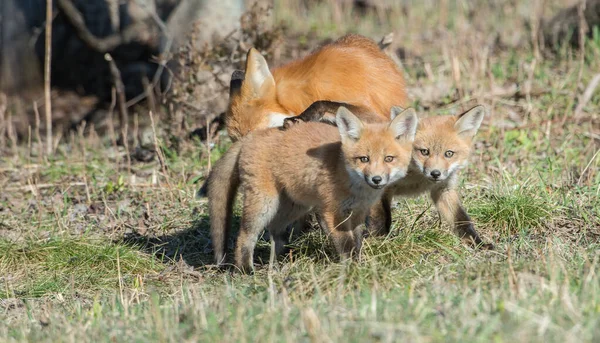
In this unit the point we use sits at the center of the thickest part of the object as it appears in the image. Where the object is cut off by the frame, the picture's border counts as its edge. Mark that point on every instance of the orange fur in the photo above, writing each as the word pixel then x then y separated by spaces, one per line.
pixel 286 174
pixel 435 138
pixel 352 70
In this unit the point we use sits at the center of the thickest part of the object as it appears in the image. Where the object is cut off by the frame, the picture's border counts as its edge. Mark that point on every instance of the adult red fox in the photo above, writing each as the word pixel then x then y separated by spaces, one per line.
pixel 441 149
pixel 352 70
pixel 340 173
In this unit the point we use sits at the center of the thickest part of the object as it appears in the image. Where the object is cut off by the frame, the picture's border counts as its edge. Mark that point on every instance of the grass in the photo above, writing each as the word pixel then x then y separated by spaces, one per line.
pixel 93 248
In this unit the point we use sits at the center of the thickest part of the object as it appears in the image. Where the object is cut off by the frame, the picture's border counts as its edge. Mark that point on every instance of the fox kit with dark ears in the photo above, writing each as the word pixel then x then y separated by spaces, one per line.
pixel 340 173
pixel 441 149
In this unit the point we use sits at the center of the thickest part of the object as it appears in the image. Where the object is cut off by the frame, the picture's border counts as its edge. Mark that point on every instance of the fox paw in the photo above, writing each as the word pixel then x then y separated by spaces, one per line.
pixel 291 121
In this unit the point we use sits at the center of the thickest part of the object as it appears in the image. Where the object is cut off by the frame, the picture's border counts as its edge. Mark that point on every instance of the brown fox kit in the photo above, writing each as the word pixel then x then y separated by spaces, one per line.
pixel 441 149
pixel 340 173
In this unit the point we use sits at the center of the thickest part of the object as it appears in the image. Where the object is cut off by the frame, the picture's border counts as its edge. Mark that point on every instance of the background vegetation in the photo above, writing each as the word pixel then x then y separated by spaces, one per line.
pixel 104 241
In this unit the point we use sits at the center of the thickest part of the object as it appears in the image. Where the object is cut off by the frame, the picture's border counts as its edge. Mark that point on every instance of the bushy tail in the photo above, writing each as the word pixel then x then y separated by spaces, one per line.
pixel 221 188
pixel 203 191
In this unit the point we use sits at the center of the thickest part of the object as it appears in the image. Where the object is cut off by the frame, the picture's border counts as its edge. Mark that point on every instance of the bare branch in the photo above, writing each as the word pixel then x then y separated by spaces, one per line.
pixel 138 32
pixel 47 60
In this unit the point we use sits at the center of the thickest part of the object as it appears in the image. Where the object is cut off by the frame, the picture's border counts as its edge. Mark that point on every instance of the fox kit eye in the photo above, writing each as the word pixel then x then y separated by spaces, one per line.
pixel 364 159
pixel 449 153
pixel 388 159
pixel 424 152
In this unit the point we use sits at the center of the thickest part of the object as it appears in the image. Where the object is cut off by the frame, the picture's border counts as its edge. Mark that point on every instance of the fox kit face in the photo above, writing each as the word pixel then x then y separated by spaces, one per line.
pixel 377 154
pixel 253 99
pixel 442 144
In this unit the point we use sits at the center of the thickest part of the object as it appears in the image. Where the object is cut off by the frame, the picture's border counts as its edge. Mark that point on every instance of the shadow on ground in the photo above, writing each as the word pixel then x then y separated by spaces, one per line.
pixel 192 245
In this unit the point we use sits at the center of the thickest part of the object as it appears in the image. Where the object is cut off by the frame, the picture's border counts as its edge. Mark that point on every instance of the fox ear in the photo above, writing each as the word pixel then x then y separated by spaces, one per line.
pixel 237 78
pixel 404 123
pixel 349 125
pixel 468 123
pixel 396 110
pixel 258 76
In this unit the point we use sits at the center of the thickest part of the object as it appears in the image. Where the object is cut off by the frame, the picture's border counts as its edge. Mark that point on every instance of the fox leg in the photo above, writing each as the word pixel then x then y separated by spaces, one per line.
pixel 343 235
pixel 358 226
pixel 321 110
pixel 258 212
pixel 288 213
pixel 379 221
pixel 448 204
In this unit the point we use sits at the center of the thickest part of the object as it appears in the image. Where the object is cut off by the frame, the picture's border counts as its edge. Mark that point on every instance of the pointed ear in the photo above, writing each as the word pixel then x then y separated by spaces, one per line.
pixel 395 111
pixel 258 76
pixel 468 123
pixel 404 124
pixel 349 125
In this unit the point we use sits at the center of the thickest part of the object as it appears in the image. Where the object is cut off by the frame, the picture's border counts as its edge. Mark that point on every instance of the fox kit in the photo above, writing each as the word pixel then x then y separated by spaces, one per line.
pixel 441 149
pixel 340 173
pixel 352 70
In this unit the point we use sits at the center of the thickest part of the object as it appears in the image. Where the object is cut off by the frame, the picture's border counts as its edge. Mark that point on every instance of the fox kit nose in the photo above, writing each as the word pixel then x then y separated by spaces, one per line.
pixel 435 173
pixel 376 179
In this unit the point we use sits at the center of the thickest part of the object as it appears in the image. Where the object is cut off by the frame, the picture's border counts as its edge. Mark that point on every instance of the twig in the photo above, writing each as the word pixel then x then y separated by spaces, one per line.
pixel 111 112
pixel 3 106
pixel 208 127
pixel 167 48
pixel 587 167
pixel 138 32
pixel 33 188
pixel 582 31
pixel 38 137
pixel 119 88
pixel 124 117
pixel 159 153
pixel 587 94
pixel 47 59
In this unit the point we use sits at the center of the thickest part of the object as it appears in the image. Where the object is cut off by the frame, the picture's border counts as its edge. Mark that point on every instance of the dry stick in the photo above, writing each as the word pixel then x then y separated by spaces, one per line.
pixel 3 106
pixel 587 95
pixel 162 59
pixel 47 58
pixel 536 18
pixel 208 132
pixel 38 137
pixel 159 153
pixel 82 139
pixel 120 279
pixel 582 31
pixel 111 112
pixel 136 130
pixel 123 118
pixel 528 86
pixel 587 167
pixel 29 144
pixel 163 27
pixel 149 91
pixel 11 131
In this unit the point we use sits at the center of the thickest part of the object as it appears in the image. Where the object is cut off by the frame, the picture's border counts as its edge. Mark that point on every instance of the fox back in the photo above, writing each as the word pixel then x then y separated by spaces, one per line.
pixel 352 70
pixel 321 158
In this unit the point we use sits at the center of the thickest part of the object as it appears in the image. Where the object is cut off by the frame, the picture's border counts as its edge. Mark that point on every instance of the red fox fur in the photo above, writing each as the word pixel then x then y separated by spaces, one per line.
pixel 441 149
pixel 351 70
pixel 340 173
